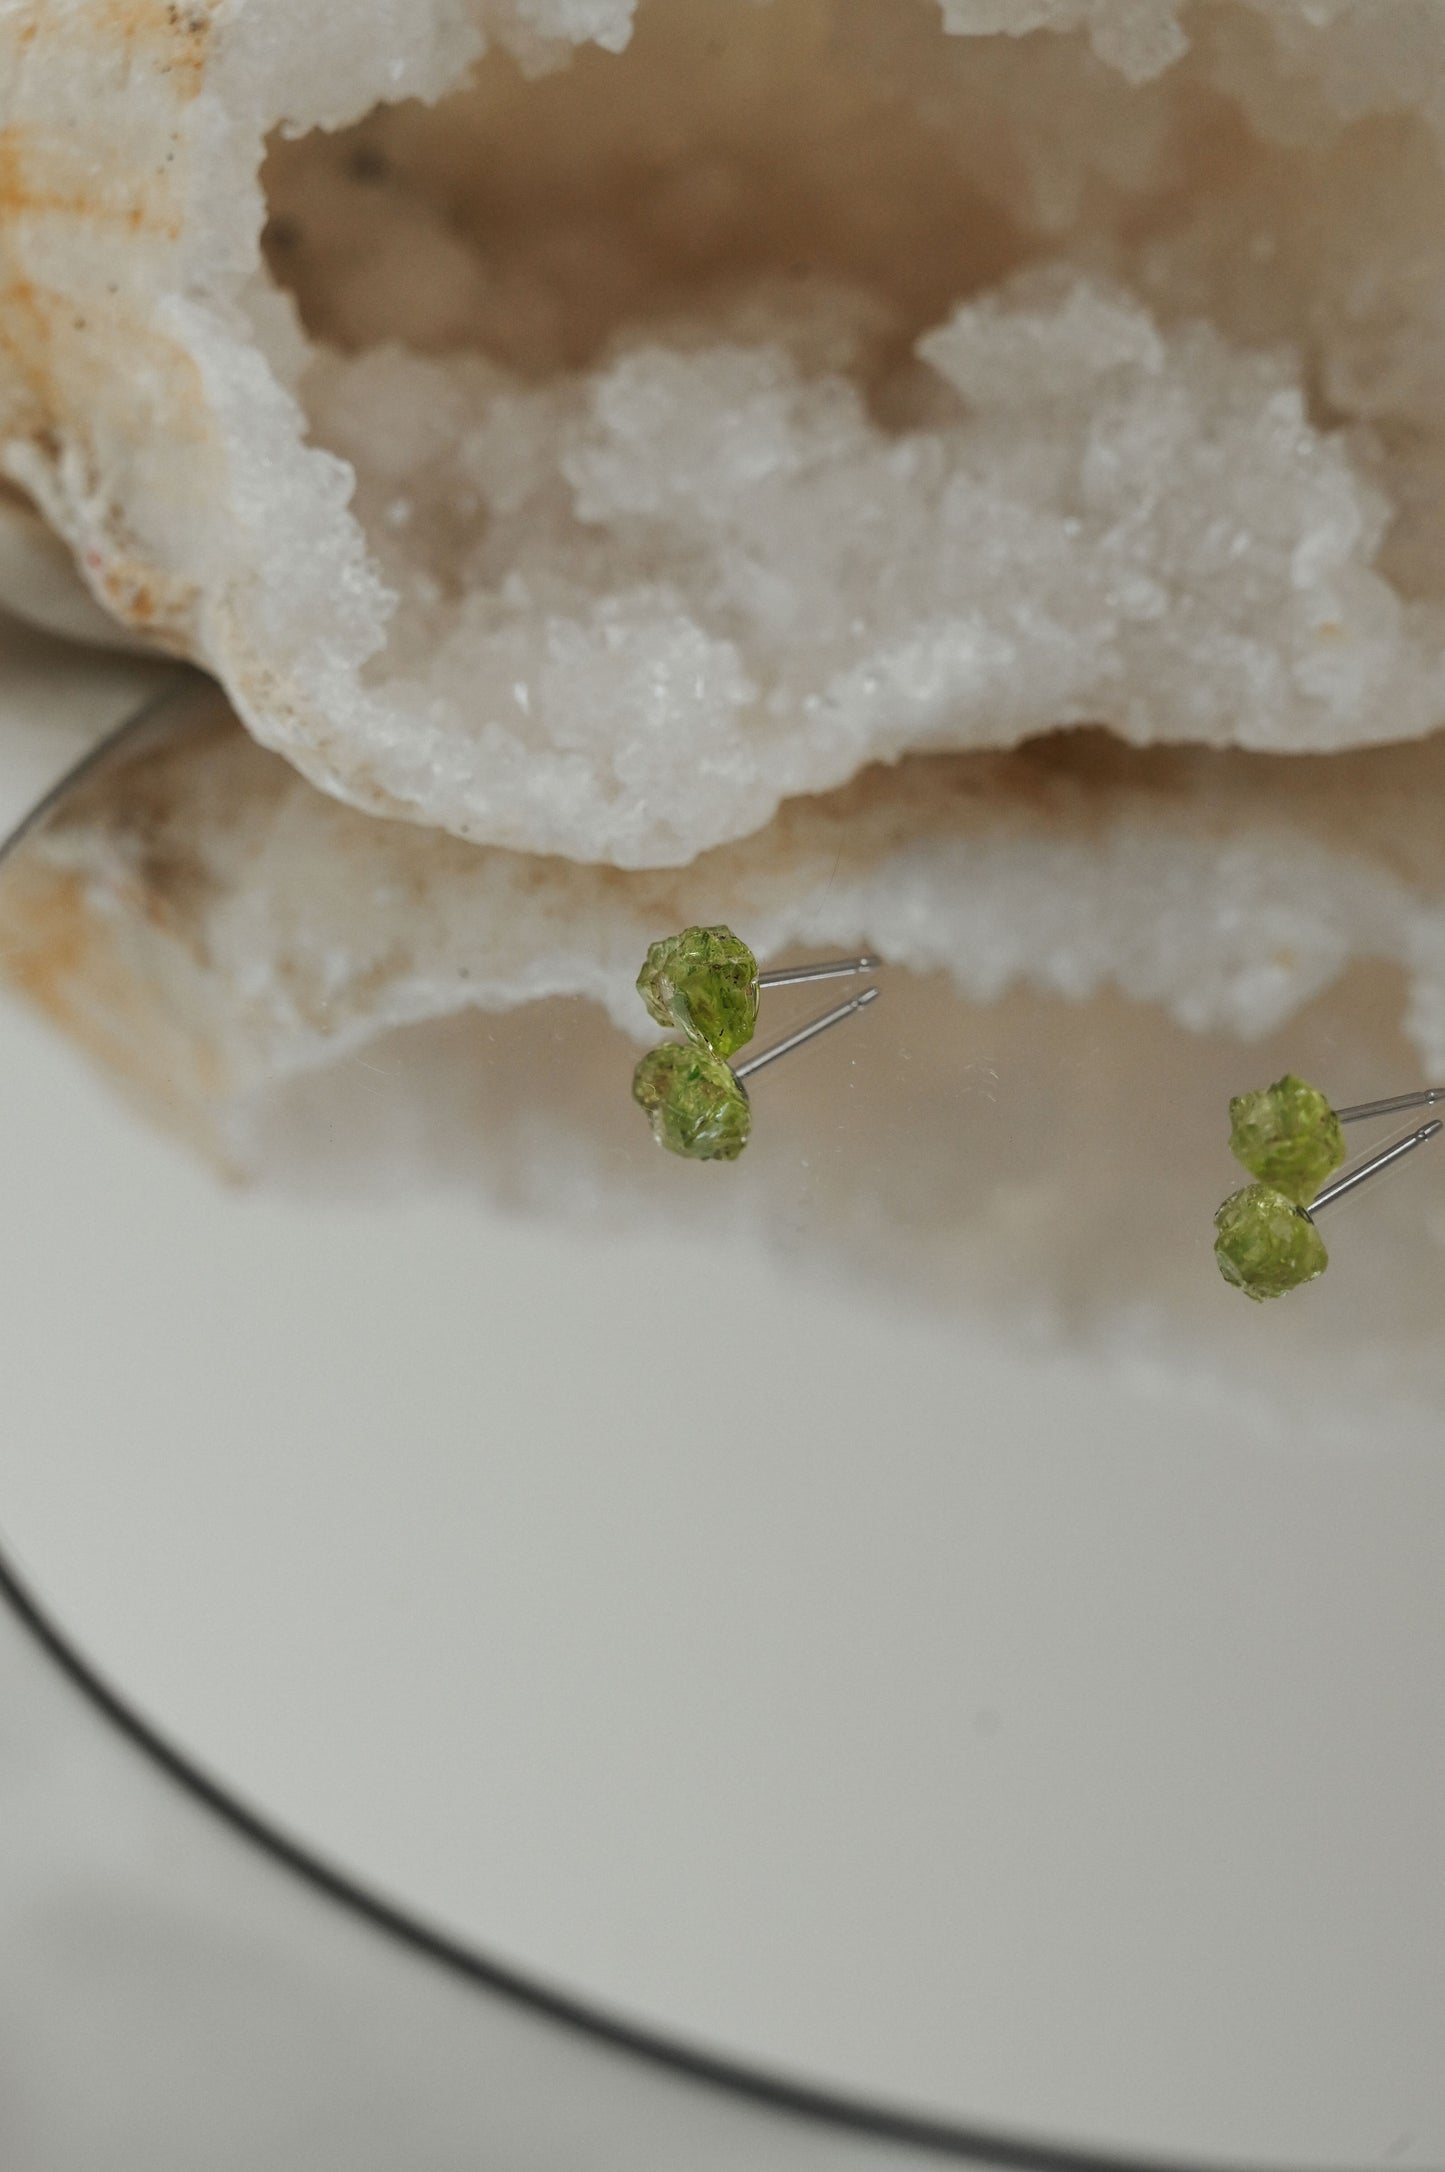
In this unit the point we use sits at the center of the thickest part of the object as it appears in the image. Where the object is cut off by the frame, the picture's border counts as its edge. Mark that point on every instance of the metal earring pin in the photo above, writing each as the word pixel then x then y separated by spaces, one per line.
pixel 705 983
pixel 1291 1140
pixel 698 1105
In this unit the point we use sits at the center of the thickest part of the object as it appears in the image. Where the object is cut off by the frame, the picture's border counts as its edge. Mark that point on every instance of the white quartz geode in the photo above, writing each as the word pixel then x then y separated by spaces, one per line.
pixel 607 447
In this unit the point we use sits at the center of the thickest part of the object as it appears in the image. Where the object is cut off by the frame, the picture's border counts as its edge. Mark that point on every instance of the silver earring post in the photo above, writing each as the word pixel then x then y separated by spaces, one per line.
pixel 1382 1160
pixel 1427 1098
pixel 815 1026
pixel 788 976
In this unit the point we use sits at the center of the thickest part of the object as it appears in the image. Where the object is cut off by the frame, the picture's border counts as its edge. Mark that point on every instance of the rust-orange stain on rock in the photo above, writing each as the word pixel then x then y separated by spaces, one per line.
pixel 24 321
pixel 55 178
pixel 68 193
pixel 162 607
pixel 137 207
pixel 171 36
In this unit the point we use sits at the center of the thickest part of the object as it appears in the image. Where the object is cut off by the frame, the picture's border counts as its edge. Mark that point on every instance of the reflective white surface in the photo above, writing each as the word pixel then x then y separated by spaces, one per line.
pixel 171 1996
pixel 849 1610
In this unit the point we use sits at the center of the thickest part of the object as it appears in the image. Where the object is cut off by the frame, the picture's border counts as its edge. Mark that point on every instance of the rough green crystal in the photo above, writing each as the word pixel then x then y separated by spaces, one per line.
pixel 694 1104
pixel 1266 1244
pixel 704 982
pixel 1288 1136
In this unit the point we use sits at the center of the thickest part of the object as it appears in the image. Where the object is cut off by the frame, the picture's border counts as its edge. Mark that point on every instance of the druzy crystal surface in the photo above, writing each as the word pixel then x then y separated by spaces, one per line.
pixel 694 1104
pixel 1288 1136
pixel 1266 1245
pixel 592 446
pixel 705 983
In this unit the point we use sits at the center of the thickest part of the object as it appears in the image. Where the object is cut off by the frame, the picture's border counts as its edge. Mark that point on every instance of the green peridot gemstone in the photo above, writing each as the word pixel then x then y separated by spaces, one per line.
pixel 1266 1244
pixel 694 1104
pixel 1288 1136
pixel 705 983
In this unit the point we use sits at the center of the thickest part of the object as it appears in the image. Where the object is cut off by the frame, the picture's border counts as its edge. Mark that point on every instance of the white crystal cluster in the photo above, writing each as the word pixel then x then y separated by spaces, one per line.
pixel 688 585
pixel 586 451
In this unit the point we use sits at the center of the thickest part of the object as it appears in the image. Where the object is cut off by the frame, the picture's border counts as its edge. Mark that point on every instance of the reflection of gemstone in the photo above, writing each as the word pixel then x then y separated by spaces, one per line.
pixel 694 1104
pixel 1266 1244
pixel 1288 1136
pixel 704 982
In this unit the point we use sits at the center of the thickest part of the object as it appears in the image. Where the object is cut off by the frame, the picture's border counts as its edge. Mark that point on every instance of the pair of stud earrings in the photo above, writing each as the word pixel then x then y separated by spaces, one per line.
pixel 1290 1140
pixel 705 983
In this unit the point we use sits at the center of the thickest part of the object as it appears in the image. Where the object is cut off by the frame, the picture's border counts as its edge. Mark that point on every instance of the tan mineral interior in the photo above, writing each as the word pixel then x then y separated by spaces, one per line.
pixel 842 177
pixel 533 218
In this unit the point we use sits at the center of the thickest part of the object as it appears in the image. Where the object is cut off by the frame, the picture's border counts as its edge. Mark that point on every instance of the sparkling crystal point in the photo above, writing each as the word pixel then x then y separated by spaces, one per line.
pixel 1288 1136
pixel 704 982
pixel 694 1104
pixel 1266 1244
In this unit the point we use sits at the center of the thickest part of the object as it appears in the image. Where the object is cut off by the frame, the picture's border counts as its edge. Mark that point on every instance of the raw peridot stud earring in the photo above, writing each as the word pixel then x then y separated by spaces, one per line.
pixel 698 1105
pixel 1288 1136
pixel 705 982
pixel 1290 1139
pixel 1265 1244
